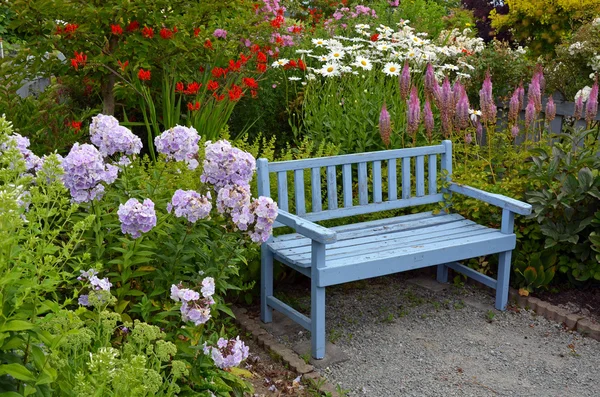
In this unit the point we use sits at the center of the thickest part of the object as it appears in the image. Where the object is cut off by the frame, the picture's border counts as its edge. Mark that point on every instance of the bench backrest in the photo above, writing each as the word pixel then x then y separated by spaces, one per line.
pixel 367 195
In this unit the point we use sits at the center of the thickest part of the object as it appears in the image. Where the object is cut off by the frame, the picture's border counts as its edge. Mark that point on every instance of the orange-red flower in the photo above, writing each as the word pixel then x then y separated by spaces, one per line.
pixel 254 93
pixel 277 21
pixel 70 28
pixel 250 82
pixel 76 126
pixel 234 66
pixel 179 87
pixel 192 88
pixel 123 65
pixel 255 48
pixel 218 97
pixel 133 26
pixel 79 60
pixel 235 93
pixel 261 67
pixel 196 32
pixel 193 106
pixel 244 59
pixel 148 32
pixel 261 57
pixel 301 64
pixel 208 45
pixel 218 72
pixel 117 30
pixel 144 75
pixel 212 85
pixel 375 37
pixel 166 33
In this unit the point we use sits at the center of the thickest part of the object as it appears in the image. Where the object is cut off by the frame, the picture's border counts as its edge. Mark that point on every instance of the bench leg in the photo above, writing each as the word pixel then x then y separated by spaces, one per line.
pixel 266 283
pixel 442 273
pixel 317 320
pixel 503 278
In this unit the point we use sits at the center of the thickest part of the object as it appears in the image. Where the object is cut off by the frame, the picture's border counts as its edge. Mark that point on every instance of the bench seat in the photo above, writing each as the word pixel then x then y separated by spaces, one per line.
pixel 386 246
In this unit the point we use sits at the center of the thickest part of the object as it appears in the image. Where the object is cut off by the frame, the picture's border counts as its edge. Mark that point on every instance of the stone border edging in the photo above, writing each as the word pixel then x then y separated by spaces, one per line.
pixel 285 354
pixel 581 324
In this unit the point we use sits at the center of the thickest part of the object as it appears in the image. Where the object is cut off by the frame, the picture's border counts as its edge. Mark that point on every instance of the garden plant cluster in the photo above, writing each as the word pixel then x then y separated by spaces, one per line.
pixel 129 219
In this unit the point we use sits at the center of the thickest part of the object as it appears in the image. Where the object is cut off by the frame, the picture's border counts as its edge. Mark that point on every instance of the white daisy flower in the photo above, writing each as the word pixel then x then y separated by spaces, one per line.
pixel 384 47
pixel 280 62
pixel 465 75
pixel 330 69
pixel 294 78
pixel 363 63
pixel 392 69
pixel 323 58
pixel 304 51
pixel 336 55
pixel 319 42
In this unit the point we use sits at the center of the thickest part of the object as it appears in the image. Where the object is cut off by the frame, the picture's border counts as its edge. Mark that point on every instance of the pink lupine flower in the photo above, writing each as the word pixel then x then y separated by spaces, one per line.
pixel 550 110
pixel 413 113
pixel 405 81
pixel 521 96
pixel 578 108
pixel 431 84
pixel 385 126
pixel 428 119
pixel 462 112
pixel 530 114
pixel 539 72
pixel 514 131
pixel 513 108
pixel 591 108
pixel 486 100
pixel 534 93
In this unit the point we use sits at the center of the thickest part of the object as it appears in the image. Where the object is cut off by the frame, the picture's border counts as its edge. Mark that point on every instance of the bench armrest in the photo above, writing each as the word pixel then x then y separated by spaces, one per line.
pixel 307 228
pixel 516 206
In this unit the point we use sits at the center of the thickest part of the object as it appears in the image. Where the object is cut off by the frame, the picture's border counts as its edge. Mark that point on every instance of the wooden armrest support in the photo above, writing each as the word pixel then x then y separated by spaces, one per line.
pixel 516 206
pixel 307 228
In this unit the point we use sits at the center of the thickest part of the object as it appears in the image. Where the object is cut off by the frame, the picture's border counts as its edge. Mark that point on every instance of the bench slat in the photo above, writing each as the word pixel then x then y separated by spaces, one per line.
pixel 347 184
pixel 377 191
pixel 282 190
pixel 380 263
pixel 420 175
pixel 392 180
pixel 355 158
pixel 406 178
pixel 299 192
pixel 432 174
pixel 363 197
pixel 331 188
pixel 315 182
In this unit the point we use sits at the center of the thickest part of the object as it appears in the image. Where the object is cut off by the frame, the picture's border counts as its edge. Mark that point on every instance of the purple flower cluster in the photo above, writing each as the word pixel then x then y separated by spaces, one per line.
pixel 228 353
pixel 235 201
pixel 194 307
pixel 111 138
pixel 96 283
pixel 190 204
pixel 32 161
pixel 137 217
pixel 225 165
pixel 220 33
pixel 85 170
pixel 180 144
pixel 265 211
pixel 385 126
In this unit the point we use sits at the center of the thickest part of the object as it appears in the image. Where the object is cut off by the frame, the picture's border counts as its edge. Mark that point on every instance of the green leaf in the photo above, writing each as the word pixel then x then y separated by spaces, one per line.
pixel 16 325
pixel 17 371
pixel 586 178
pixel 530 274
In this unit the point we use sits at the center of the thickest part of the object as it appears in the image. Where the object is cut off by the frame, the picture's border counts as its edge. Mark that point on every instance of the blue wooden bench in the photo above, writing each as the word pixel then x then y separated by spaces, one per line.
pixel 359 251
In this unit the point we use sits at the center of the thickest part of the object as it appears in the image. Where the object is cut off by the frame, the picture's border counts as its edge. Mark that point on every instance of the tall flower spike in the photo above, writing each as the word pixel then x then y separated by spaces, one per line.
pixel 534 93
pixel 486 100
pixel 405 81
pixel 479 132
pixel 431 83
pixel 413 114
pixel 521 96
pixel 513 108
pixel 529 114
pixel 550 110
pixel 462 112
pixel 591 108
pixel 458 90
pixel 578 108
pixel 539 71
pixel 514 131
pixel 385 126
pixel 428 119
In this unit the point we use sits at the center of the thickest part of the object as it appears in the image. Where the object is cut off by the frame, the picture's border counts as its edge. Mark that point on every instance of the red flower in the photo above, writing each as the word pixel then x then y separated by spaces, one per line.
pixel 256 7
pixel 277 21
pixel 255 48
pixel 261 57
pixel 234 66
pixel 235 93
pixel 70 28
pixel 201 69
pixel 254 93
pixel 133 26
pixel 166 33
pixel 179 87
pixel 279 40
pixel 250 82
pixel 196 32
pixel 175 30
pixel 79 60
pixel 148 32
pixel 117 30
pixel 212 85
pixel 76 125
pixel 58 30
pixel 218 72
pixel 291 64
pixel 297 29
pixel 244 59
pixel 218 97
pixel 123 65
pixel 261 67
pixel 144 75
pixel 375 37
pixel 193 106
pixel 301 64
pixel 208 45
pixel 192 88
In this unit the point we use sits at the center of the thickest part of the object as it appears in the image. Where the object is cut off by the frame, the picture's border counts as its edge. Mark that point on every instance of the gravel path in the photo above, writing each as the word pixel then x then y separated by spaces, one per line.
pixel 404 340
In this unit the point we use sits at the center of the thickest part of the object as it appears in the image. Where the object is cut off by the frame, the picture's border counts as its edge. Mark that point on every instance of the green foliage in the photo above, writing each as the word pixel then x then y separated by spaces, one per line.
pixel 538 272
pixel 566 199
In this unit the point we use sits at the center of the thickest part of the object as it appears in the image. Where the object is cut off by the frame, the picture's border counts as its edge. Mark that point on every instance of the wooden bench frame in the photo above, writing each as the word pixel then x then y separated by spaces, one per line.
pixel 303 222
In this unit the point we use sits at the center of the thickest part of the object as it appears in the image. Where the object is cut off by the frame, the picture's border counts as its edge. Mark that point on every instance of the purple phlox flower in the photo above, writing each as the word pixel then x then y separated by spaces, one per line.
pixel 550 110
pixel 86 275
pixel 513 107
pixel 530 114
pixel 591 108
pixel 404 81
pixel 462 112
pixel 413 113
pixel 137 217
pixel 208 287
pixel 235 201
pixel 228 353
pixel 111 138
pixel 385 125
pixel 194 308
pixel 85 170
pixel 394 3
pixel 431 84
pixel 486 100
pixel 514 131
pixel 578 107
pixel 220 33
pixel 428 119
pixel 100 283
pixel 180 144
pixel 32 162
pixel 190 204
pixel 264 210
pixel 83 300
pixel 225 165
pixel 468 138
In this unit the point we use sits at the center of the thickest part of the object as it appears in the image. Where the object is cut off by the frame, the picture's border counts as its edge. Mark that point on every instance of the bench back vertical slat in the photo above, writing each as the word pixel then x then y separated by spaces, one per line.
pixel 363 188
pixel 432 174
pixel 363 193
pixel 447 161
pixel 315 187
pixel 282 190
pixel 347 184
pixel 299 192
pixel 331 188
pixel 392 180
pixel 406 178
pixel 420 175
pixel 377 190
